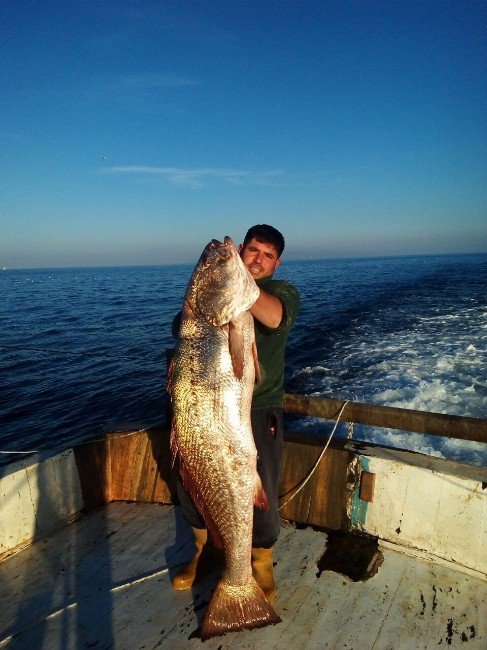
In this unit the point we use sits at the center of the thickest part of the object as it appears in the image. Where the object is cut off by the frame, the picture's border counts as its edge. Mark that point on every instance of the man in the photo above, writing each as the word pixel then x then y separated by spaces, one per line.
pixel 274 313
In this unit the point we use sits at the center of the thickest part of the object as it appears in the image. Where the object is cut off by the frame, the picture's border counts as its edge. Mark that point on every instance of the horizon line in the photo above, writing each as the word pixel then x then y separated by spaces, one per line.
pixel 309 258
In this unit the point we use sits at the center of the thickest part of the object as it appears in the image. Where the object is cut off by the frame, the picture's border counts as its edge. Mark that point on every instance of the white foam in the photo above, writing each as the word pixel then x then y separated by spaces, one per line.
pixel 445 364
pixel 433 367
pixel 311 370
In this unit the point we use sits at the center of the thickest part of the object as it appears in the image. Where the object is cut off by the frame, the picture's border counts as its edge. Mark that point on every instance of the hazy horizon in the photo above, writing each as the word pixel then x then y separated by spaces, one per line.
pixel 136 131
pixel 281 268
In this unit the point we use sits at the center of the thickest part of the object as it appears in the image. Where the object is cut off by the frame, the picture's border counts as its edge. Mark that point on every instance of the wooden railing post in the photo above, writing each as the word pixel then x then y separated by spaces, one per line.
pixel 436 424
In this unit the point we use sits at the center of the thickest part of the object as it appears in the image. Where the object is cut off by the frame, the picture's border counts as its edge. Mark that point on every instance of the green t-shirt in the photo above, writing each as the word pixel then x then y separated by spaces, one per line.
pixel 271 344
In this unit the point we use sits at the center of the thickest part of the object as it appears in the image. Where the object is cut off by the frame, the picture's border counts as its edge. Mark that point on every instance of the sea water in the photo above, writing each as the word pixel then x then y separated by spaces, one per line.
pixel 83 351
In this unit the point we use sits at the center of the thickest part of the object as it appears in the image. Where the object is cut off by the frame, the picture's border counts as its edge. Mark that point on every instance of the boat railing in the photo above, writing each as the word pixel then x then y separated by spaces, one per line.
pixel 355 486
pixel 436 424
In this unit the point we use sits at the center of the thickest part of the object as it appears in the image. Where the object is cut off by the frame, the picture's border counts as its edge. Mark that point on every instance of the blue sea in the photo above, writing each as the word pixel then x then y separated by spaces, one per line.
pixel 83 351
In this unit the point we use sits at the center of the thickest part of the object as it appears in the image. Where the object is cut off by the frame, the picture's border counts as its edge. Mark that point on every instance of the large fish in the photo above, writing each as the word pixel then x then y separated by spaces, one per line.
pixel 211 382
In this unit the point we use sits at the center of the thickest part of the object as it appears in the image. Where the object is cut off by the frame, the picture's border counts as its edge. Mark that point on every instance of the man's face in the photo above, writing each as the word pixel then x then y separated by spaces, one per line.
pixel 261 259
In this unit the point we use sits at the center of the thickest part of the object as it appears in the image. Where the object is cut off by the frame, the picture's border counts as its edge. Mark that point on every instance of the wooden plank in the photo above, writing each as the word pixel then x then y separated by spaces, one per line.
pixel 325 613
pixel 138 463
pixel 36 497
pixel 164 476
pixel 170 618
pixel 437 424
pixel 442 515
pixel 367 486
pixel 141 467
pixel 17 514
pixel 296 554
pixel 322 500
pixel 296 464
pixel 460 531
pixel 413 458
pixel 93 462
pixel 435 604
pixel 124 464
pixel 61 566
pixel 113 590
pixel 385 515
pixel 144 491
pixel 329 499
pixel 355 611
pixel 138 467
pixel 145 609
pixel 84 566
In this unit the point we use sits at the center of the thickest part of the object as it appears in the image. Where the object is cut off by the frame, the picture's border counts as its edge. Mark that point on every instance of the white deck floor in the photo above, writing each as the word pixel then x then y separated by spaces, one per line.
pixel 104 582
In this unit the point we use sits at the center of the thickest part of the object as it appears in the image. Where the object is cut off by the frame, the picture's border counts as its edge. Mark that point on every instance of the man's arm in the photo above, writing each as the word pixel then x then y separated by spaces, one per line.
pixel 267 309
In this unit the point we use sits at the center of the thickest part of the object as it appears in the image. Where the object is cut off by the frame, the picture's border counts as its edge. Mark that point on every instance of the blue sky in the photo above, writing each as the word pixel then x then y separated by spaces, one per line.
pixel 134 132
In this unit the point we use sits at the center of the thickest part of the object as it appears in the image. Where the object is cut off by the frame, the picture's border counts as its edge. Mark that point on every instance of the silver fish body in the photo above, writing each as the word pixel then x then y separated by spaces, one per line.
pixel 211 384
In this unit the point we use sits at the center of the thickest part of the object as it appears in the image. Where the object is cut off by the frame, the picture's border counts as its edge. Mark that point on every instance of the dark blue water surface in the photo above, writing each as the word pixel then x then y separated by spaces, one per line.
pixel 82 351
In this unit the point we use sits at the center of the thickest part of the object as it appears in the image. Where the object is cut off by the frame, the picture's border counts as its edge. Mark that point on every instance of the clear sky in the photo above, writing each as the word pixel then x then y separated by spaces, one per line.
pixel 132 132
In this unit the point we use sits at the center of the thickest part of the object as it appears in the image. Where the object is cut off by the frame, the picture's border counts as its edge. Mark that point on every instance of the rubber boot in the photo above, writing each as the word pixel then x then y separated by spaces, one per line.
pixel 186 577
pixel 263 572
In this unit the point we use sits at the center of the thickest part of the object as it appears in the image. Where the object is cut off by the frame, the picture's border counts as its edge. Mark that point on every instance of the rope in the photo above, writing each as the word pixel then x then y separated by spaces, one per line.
pixel 83 442
pixel 32 451
pixel 311 472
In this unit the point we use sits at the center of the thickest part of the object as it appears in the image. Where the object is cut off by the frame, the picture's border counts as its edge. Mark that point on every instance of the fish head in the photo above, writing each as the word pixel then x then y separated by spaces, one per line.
pixel 221 287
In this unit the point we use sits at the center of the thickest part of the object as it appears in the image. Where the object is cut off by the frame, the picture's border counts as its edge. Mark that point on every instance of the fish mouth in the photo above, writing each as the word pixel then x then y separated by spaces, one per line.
pixel 225 249
pixel 227 241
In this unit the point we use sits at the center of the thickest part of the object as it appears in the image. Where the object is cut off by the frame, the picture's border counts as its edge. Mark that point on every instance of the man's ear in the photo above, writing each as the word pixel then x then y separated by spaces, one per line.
pixel 240 248
pixel 278 262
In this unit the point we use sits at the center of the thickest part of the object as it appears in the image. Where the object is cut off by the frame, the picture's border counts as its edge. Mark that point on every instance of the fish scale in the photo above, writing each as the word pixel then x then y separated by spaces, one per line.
pixel 211 383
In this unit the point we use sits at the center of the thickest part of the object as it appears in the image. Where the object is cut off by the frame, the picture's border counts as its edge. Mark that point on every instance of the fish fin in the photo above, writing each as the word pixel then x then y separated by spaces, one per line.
pixel 237 607
pixel 169 378
pixel 192 489
pixel 173 445
pixel 258 375
pixel 236 344
pixel 217 540
pixel 260 497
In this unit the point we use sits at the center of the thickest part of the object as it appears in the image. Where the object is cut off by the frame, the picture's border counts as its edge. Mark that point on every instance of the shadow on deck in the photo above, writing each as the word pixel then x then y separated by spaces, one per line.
pixel 113 590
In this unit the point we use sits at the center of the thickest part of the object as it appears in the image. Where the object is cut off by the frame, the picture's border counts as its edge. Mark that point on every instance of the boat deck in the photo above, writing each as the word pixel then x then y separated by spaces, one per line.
pixel 104 582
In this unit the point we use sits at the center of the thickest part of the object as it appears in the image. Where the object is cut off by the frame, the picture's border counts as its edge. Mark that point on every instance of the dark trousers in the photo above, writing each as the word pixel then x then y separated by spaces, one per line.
pixel 268 429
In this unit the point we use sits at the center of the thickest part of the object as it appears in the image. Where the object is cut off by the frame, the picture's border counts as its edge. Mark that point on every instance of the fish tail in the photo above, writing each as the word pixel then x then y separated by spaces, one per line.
pixel 237 607
pixel 192 488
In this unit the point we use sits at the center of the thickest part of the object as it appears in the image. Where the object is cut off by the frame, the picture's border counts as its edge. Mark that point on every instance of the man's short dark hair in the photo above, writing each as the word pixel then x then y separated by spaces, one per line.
pixel 266 235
